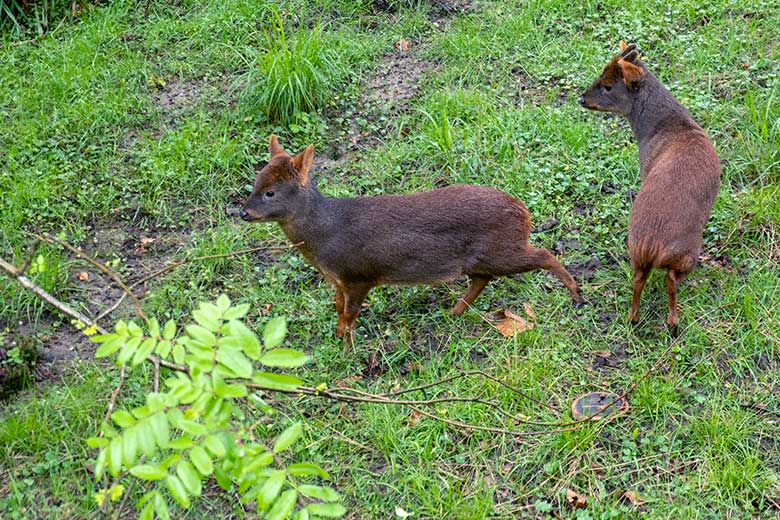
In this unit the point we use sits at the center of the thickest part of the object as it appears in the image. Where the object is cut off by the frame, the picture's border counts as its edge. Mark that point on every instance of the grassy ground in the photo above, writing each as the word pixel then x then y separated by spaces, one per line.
pixel 125 126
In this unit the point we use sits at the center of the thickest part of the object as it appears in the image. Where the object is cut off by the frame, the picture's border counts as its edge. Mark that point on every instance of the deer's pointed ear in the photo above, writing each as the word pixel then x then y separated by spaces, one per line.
pixel 628 52
pixel 631 73
pixel 302 164
pixel 274 148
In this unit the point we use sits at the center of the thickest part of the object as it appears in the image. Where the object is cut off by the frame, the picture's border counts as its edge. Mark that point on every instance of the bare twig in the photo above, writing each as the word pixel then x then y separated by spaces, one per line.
pixel 492 378
pixel 111 309
pixel 156 363
pixel 127 494
pixel 47 297
pixel 514 389
pixel 468 426
pixel 429 385
pixel 100 267
pixel 114 394
pixel 30 255
pixel 186 260
pixel 167 364
pixel 364 397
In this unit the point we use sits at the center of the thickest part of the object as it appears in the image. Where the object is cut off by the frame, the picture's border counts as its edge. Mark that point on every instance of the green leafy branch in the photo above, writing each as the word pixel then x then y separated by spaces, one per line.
pixel 196 430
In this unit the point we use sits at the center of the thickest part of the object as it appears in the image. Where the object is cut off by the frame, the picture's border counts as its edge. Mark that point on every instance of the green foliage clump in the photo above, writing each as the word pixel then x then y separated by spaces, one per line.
pixel 18 16
pixel 293 77
pixel 195 430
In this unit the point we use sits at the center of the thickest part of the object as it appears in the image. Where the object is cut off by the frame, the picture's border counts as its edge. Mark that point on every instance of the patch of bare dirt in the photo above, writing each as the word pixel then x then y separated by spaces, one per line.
pixel 390 90
pixel 385 95
pixel 176 98
pixel 138 252
pixel 440 9
pixel 585 270
pixel 396 81
pixel 44 347
pixel 613 358
pixel 445 9
pixel 63 343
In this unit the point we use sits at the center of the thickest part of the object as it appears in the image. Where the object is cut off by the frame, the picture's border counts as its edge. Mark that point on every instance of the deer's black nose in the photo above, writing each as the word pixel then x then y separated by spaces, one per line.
pixel 582 101
pixel 243 214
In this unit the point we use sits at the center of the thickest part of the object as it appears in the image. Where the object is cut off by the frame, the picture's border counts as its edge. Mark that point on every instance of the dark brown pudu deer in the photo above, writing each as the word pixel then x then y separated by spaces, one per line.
pixel 679 169
pixel 434 236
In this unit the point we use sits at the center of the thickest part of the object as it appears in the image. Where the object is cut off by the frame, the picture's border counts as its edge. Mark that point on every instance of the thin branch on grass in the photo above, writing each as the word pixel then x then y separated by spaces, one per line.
pixel 46 296
pixel 365 397
pixel 30 255
pixel 113 307
pixel 468 374
pixel 514 433
pixel 114 394
pixel 514 389
pixel 127 494
pixel 186 260
pixel 100 267
pixel 429 385
pixel 156 363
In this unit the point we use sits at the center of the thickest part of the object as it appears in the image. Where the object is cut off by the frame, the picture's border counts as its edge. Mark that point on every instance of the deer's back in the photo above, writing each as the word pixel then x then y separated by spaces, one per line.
pixel 421 237
pixel 681 178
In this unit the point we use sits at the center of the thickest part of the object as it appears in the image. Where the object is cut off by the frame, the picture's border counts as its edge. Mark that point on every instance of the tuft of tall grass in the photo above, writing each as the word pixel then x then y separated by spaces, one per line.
pixel 17 17
pixel 293 75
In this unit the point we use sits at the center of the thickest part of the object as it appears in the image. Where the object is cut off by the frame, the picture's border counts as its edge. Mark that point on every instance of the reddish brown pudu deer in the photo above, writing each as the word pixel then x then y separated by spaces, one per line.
pixel 433 236
pixel 679 169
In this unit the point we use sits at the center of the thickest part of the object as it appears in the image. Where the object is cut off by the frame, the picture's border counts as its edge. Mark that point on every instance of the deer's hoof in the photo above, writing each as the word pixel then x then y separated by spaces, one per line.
pixel 674 330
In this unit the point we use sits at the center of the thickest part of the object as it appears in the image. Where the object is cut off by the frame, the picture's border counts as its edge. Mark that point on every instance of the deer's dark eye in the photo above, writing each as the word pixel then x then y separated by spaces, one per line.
pixel 269 194
pixel 606 88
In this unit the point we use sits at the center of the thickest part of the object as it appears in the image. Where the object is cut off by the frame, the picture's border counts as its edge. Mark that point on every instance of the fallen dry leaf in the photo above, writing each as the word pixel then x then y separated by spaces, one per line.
pixel 373 365
pixel 266 309
pixel 512 324
pixel 633 498
pixel 402 45
pixel 413 419
pixel 83 276
pixel 529 311
pixel 343 383
pixel 575 499
pixel 140 248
